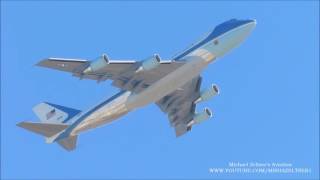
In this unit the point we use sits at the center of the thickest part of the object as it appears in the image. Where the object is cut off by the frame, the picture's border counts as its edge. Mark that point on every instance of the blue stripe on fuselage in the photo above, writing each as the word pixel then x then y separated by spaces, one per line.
pixel 70 111
pixel 86 114
pixel 218 30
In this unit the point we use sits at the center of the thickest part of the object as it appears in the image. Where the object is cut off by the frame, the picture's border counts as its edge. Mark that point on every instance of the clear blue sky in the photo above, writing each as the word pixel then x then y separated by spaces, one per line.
pixel 267 111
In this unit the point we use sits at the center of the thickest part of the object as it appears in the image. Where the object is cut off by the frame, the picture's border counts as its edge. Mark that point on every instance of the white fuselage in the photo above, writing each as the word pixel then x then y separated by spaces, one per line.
pixel 196 61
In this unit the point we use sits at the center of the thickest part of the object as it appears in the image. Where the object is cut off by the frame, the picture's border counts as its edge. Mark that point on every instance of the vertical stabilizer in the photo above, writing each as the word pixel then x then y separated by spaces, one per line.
pixel 53 113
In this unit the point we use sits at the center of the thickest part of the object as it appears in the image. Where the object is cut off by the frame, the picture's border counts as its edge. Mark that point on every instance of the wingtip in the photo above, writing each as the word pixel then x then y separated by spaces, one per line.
pixel 19 124
pixel 179 134
pixel 40 63
pixel 22 124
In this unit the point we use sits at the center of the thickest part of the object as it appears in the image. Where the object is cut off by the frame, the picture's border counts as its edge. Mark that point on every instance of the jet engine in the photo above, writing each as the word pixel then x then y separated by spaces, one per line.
pixel 200 117
pixel 98 64
pixel 150 63
pixel 208 93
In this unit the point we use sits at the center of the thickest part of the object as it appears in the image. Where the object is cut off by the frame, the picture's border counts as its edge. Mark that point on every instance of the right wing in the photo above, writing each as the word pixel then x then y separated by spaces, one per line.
pixel 121 72
pixel 180 106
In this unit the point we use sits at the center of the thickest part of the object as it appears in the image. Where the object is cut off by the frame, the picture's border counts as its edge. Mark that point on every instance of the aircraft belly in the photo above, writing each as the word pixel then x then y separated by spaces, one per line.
pixel 104 115
pixel 167 84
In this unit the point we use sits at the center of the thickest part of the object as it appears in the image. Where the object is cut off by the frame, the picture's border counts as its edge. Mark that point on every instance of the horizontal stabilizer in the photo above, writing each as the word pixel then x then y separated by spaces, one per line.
pixel 45 129
pixel 69 143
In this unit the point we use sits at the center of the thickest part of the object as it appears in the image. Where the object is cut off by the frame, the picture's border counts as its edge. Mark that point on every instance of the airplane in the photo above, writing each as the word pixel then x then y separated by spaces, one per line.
pixel 173 85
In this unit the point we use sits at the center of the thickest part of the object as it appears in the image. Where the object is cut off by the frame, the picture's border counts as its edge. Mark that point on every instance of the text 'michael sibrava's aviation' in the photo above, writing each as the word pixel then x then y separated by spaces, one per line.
pixel 174 85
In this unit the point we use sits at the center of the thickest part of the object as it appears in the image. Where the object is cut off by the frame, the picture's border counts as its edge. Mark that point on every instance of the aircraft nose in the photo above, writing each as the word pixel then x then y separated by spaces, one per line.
pixel 251 24
pixel 242 32
pixel 235 36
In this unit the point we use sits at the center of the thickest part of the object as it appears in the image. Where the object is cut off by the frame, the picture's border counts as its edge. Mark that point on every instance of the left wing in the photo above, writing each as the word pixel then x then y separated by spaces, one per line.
pixel 77 66
pixel 180 105
pixel 123 73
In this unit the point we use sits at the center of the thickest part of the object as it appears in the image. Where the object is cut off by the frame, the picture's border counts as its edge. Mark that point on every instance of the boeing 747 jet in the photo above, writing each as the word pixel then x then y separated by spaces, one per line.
pixel 173 85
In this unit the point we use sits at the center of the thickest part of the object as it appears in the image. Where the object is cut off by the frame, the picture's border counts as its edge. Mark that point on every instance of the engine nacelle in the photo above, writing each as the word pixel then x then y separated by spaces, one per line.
pixel 208 93
pixel 150 63
pixel 200 117
pixel 98 64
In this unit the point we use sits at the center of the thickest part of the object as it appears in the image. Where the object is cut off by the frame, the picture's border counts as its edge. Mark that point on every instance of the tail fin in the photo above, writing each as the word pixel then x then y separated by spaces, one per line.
pixel 53 113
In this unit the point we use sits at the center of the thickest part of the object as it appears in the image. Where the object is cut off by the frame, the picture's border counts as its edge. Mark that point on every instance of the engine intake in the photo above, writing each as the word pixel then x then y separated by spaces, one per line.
pixel 200 117
pixel 208 93
pixel 98 64
pixel 150 63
